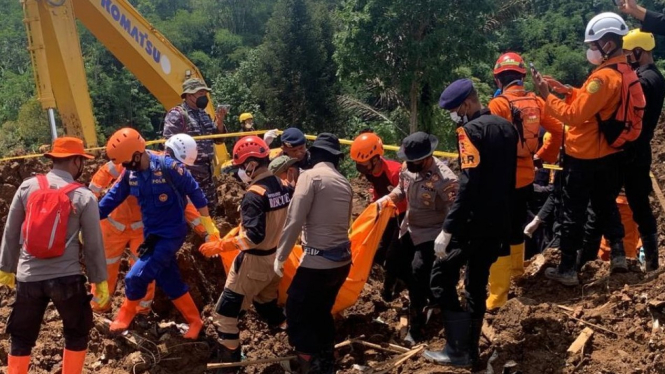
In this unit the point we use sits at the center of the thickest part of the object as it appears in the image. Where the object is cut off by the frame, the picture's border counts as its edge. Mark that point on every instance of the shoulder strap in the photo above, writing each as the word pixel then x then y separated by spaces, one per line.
pixel 161 160
pixel 70 187
pixel 43 182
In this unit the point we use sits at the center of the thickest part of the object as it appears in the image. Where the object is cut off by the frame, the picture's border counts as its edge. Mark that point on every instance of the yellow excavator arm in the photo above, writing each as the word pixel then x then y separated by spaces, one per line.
pixel 58 63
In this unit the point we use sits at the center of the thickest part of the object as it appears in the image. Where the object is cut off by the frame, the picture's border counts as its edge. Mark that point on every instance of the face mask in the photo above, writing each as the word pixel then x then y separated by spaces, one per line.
pixel 248 126
pixel 460 120
pixel 594 57
pixel 364 170
pixel 135 164
pixel 245 174
pixel 202 102
pixel 415 168
pixel 634 58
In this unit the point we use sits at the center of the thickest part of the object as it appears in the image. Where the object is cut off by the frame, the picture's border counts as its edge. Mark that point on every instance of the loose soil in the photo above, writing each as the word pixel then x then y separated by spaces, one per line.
pixel 534 329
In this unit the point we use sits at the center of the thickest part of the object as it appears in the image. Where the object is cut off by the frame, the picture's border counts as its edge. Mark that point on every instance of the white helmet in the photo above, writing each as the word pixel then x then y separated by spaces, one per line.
pixel 183 147
pixel 605 23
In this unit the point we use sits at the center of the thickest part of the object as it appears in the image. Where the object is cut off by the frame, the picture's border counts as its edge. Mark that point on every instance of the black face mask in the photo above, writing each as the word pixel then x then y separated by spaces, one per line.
pixel 306 162
pixel 135 164
pixel 202 102
pixel 634 59
pixel 366 170
pixel 415 168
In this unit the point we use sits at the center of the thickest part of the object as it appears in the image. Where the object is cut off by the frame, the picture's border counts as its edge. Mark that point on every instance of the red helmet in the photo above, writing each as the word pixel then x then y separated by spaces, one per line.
pixel 509 62
pixel 249 146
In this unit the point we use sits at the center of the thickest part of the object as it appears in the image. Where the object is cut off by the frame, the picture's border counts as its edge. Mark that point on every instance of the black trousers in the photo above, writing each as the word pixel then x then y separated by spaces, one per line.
pixel 397 263
pixel 637 184
pixel 203 175
pixel 595 183
pixel 518 214
pixel 312 294
pixel 389 241
pixel 421 260
pixel 71 299
pixel 478 255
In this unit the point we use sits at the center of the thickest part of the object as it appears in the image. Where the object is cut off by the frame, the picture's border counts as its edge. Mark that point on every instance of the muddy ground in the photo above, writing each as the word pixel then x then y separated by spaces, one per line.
pixel 534 329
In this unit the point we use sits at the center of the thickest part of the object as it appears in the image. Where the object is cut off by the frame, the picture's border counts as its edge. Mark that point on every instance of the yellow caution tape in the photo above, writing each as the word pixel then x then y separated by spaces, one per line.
pixel 260 132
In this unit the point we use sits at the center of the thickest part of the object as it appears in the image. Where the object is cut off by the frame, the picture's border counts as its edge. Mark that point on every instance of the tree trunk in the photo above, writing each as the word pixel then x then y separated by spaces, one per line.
pixel 413 98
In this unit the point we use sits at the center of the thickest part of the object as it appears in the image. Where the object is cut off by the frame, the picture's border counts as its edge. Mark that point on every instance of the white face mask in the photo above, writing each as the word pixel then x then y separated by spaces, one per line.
pixel 594 57
pixel 243 176
pixel 455 117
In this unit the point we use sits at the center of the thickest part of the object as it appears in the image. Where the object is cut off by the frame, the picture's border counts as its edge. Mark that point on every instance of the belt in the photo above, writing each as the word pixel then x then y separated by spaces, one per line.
pixel 260 252
pixel 338 253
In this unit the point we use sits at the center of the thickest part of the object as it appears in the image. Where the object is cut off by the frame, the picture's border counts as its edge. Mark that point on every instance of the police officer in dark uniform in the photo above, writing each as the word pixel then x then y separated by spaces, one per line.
pixel 478 223
pixel 191 118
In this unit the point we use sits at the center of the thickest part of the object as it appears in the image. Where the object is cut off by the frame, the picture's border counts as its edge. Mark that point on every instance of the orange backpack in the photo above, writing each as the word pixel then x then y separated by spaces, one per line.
pixel 625 124
pixel 525 113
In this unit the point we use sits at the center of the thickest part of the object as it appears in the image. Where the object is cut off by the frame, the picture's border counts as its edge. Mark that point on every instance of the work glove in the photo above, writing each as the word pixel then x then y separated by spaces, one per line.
pixel 532 226
pixel 383 202
pixel 8 279
pixel 101 296
pixel 441 243
pixel 210 227
pixel 214 248
pixel 279 267
pixel 212 238
pixel 269 136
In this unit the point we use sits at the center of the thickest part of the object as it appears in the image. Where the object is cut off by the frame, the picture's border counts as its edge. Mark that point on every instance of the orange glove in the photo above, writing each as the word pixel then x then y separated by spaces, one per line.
pixel 213 248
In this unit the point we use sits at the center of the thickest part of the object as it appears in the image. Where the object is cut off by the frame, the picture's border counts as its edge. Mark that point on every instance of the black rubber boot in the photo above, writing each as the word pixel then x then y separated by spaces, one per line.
pixel 388 291
pixel 474 341
pixel 457 326
pixel 271 313
pixel 229 355
pixel 650 244
pixel 327 362
pixel 618 262
pixel 308 364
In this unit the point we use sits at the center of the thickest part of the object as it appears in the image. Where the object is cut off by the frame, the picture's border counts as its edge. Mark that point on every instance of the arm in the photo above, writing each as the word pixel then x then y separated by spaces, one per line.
pixel 93 249
pixel 184 182
pixel 652 22
pixel 174 123
pixel 469 184
pixel 104 176
pixel 253 218
pixel 398 193
pixel 297 213
pixel 584 103
pixel 10 249
pixel 550 149
pixel 114 197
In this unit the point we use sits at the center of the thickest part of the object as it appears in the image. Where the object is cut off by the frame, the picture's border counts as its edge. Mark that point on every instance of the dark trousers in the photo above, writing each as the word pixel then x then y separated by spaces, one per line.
pixel 71 300
pixel 477 255
pixel 518 214
pixel 160 266
pixel 594 183
pixel 394 257
pixel 389 241
pixel 418 284
pixel 637 184
pixel 311 296
pixel 203 175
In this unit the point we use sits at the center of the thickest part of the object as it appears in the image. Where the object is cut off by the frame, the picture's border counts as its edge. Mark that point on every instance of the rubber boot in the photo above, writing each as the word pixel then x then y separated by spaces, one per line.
pixel 618 262
pixel 499 282
pixel 589 252
pixel 567 278
pixel 650 244
pixel 229 355
pixel 517 258
pixel 474 340
pixel 308 364
pixel 416 323
pixel 188 309
pixel 125 316
pixel 457 328
pixel 72 361
pixel 18 364
pixel 327 361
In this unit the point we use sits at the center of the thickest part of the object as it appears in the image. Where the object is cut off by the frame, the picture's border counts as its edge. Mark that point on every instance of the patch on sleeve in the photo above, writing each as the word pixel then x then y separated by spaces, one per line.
pixel 469 155
pixel 594 86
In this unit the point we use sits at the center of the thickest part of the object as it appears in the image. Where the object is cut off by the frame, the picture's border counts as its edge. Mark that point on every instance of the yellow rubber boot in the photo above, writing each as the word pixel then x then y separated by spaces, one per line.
pixel 499 282
pixel 188 309
pixel 72 361
pixel 517 256
pixel 18 364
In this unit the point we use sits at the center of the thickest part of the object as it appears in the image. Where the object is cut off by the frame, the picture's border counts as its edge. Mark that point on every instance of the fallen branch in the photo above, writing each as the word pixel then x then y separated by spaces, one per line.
pixel 657 190
pixel 580 342
pixel 376 346
pixel 402 358
pixel 249 362
pixel 601 328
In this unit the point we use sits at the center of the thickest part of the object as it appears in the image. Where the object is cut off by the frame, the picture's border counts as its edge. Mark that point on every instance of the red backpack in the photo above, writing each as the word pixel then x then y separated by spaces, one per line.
pixel 45 227
pixel 625 124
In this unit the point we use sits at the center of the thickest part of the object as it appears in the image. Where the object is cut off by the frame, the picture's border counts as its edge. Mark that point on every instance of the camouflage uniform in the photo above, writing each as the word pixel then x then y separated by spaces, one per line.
pixel 195 122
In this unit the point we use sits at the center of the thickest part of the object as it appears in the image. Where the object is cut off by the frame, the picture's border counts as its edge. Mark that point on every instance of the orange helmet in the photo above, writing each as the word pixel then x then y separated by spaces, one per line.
pixel 509 62
pixel 249 146
pixel 365 146
pixel 123 144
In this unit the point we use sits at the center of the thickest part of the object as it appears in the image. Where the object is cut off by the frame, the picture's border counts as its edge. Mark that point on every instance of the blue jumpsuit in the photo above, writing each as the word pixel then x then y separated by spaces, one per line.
pixel 163 216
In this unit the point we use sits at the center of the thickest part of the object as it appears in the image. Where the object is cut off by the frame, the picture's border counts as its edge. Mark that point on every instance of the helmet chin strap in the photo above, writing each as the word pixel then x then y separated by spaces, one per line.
pixel 606 55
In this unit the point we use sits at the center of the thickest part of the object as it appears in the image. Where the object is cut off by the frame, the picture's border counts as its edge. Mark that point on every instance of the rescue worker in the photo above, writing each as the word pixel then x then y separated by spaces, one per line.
pixel 252 279
pixel 367 152
pixel 591 166
pixel 56 279
pixel 191 118
pixel 652 22
pixel 478 223
pixel 637 182
pixel 321 209
pixel 160 185
pixel 293 145
pixel 527 113
pixel 124 227
pixel 284 168
pixel 246 122
pixel 429 188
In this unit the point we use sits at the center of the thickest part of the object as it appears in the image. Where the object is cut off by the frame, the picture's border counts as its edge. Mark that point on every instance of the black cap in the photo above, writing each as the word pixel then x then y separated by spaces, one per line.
pixel 417 146
pixel 327 142
pixel 455 94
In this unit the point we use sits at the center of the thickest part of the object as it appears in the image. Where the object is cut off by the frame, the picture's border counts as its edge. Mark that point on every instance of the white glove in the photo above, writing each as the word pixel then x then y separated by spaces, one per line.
pixel 381 202
pixel 441 243
pixel 532 227
pixel 279 267
pixel 269 136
